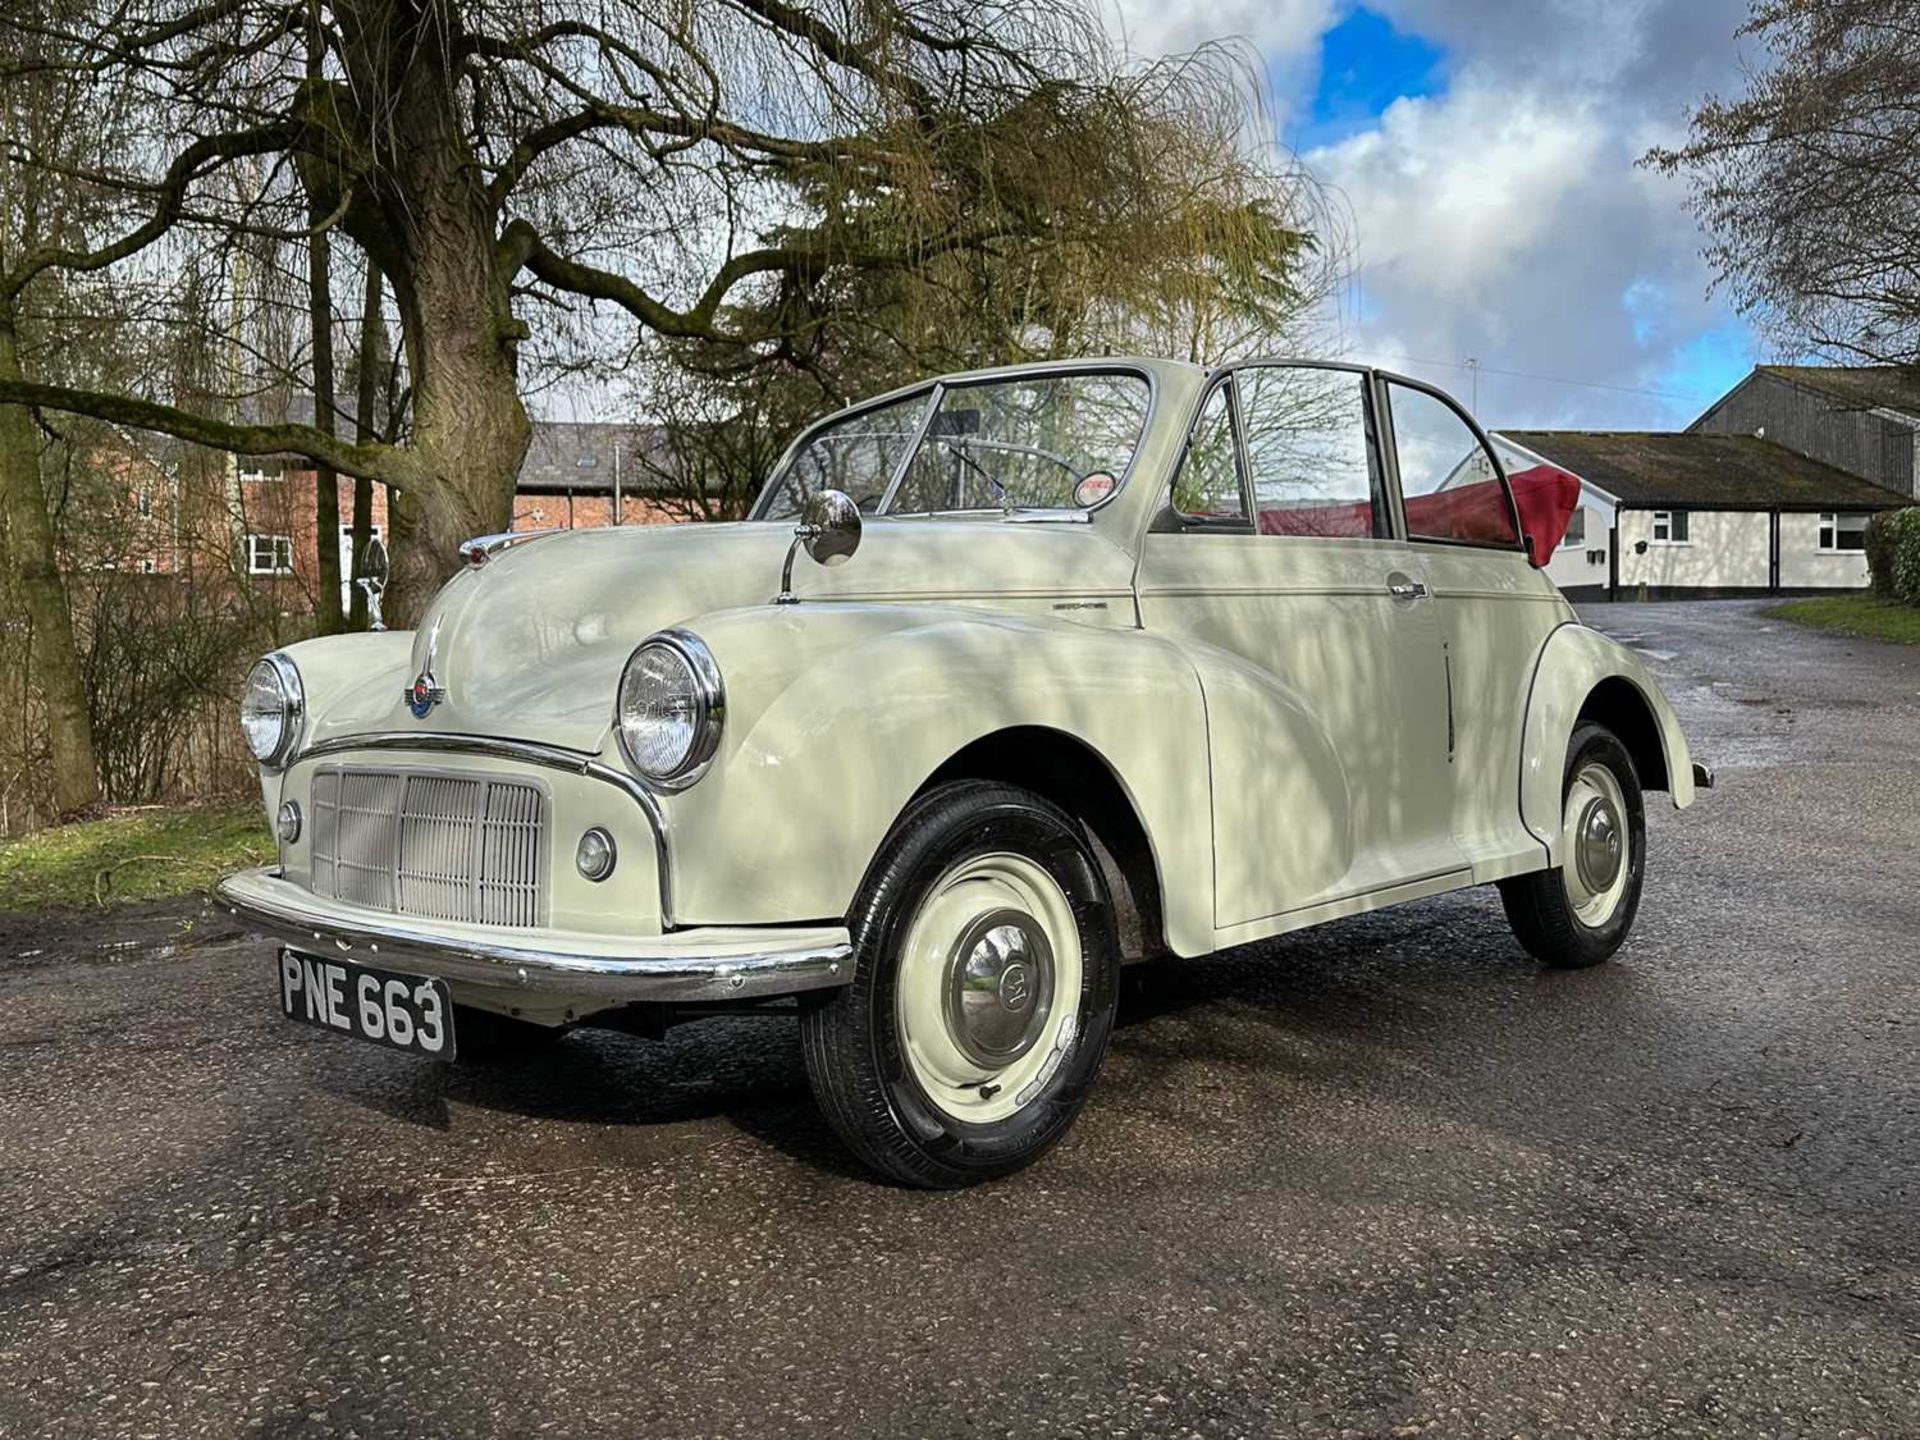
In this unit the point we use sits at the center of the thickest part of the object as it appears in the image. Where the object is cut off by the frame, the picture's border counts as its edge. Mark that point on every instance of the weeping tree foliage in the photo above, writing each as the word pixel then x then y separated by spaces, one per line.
pixel 1191 234
pixel 59 320
pixel 1807 183
pixel 831 189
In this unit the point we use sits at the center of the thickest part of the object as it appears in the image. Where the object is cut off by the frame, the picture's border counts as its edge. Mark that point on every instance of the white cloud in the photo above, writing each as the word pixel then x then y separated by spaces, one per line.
pixel 1282 29
pixel 1449 195
pixel 1285 33
pixel 1504 218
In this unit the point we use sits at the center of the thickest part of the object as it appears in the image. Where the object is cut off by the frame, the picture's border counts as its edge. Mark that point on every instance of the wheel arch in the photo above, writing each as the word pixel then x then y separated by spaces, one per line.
pixel 1620 706
pixel 1584 675
pixel 1072 774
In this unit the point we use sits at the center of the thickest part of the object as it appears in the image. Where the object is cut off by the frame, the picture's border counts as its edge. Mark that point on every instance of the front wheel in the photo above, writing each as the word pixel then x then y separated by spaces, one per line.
pixel 1579 914
pixel 985 981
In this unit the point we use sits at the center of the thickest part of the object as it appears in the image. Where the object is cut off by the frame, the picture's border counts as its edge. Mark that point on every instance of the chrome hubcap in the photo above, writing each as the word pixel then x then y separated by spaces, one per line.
pixel 1594 841
pixel 1599 850
pixel 989 977
pixel 999 987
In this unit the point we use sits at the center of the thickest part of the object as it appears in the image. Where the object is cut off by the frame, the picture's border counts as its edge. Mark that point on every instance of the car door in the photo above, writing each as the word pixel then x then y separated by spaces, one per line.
pixel 1494 608
pixel 1327 740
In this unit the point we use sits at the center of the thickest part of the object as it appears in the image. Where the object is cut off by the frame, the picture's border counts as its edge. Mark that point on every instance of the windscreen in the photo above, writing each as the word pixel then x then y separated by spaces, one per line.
pixel 1046 441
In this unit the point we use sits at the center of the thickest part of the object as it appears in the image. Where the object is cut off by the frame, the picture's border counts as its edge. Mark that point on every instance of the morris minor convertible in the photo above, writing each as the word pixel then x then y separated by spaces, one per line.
pixel 1099 661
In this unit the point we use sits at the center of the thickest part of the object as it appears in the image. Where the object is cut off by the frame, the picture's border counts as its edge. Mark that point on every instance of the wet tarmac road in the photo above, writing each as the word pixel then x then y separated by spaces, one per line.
pixel 1385 1178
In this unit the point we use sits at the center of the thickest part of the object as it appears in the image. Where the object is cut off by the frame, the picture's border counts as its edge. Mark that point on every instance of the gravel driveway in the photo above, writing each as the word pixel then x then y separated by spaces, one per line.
pixel 1383 1178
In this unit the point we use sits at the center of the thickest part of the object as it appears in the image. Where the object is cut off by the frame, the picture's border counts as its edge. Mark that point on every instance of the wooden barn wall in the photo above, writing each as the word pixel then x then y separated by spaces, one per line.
pixel 1858 441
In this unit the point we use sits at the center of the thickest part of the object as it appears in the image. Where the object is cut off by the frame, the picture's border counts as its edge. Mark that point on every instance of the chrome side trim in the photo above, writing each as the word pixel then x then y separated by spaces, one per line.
pixel 529 752
pixel 265 903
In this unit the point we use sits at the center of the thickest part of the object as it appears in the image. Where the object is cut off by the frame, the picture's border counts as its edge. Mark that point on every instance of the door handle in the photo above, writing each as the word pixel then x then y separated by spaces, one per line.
pixel 1404 590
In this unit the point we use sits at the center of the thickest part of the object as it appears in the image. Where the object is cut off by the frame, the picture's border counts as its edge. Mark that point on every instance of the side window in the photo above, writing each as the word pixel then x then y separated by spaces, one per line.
pixel 1307 454
pixel 1448 479
pixel 857 455
pixel 1208 485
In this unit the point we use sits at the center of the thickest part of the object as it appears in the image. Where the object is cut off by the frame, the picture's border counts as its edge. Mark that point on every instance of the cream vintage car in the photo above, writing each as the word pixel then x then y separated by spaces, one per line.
pixel 1104 660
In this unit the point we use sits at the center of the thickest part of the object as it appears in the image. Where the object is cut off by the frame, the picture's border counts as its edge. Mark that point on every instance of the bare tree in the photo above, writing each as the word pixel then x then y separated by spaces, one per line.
pixel 43 112
pixel 737 174
pixel 1807 185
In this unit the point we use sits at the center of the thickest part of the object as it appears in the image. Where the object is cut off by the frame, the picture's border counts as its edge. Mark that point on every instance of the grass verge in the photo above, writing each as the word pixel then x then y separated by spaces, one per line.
pixel 147 854
pixel 1854 615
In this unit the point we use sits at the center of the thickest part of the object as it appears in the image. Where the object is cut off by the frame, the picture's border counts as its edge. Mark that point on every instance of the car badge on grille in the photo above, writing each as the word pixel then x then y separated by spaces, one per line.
pixel 424 694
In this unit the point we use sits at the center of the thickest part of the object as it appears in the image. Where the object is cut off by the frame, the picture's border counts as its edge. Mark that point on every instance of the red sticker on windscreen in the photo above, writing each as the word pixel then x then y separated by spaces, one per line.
pixel 1092 490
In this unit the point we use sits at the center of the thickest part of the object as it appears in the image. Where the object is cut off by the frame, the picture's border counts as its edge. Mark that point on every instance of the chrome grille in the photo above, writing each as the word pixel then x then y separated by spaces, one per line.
pixel 444 847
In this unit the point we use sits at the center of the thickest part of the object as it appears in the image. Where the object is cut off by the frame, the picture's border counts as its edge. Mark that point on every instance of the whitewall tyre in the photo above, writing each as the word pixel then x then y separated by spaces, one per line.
pixel 986 975
pixel 1579 914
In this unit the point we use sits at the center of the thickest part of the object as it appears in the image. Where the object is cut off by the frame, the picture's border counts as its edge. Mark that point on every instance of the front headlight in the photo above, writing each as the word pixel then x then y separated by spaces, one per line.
pixel 270 709
pixel 669 709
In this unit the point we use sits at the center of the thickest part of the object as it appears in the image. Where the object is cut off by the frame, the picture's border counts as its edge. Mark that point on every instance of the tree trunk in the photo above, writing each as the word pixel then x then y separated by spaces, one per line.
pixel 432 227
pixel 54 661
pixel 372 357
pixel 326 484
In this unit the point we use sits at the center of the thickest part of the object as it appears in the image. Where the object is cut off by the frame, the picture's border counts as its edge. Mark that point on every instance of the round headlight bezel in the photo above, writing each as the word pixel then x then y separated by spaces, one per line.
pixel 293 709
pixel 707 694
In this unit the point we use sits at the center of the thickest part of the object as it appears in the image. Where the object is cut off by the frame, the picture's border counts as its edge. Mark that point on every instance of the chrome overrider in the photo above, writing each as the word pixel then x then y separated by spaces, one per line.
pixel 685 965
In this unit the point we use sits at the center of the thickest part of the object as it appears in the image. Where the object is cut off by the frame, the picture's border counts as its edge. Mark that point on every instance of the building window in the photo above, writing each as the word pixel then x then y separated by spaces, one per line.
pixel 143 502
pixel 1670 527
pixel 1840 533
pixel 587 462
pixel 147 567
pixel 1576 535
pixel 253 473
pixel 269 554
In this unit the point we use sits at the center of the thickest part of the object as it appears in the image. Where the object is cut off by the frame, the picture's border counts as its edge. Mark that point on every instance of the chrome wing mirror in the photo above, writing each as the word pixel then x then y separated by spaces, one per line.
pixel 830 529
pixel 373 579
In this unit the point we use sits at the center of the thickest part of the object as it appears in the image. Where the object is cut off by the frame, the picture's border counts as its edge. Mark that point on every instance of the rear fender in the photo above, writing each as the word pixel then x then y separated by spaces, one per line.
pixel 1575 665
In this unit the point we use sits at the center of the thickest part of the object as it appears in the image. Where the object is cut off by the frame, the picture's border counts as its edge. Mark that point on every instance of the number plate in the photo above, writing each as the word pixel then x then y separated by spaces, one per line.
pixel 407 1012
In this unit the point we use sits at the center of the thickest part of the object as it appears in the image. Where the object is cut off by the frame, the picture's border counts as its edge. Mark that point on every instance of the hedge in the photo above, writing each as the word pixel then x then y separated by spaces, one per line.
pixel 1893 554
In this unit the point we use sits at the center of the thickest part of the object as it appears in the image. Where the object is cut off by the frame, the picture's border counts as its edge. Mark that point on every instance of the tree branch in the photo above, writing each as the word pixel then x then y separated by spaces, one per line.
pixel 389 465
pixel 184 170
pixel 521 247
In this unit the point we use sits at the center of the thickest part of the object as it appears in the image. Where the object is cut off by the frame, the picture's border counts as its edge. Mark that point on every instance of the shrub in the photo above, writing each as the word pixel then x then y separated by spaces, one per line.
pixel 1893 554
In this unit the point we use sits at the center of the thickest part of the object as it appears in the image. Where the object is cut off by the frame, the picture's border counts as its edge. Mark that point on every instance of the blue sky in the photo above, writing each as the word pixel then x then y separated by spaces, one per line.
pixel 1483 154
pixel 1366 63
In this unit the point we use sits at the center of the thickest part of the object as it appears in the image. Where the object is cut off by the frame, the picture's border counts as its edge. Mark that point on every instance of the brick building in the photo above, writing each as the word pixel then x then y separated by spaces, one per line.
pixel 200 516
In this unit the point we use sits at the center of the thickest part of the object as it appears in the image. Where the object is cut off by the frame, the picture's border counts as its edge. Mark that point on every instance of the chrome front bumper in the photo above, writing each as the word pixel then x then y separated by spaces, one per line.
pixel 704 964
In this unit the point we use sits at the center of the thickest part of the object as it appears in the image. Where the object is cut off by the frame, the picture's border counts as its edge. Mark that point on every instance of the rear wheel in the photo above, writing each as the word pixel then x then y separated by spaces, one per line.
pixel 1579 914
pixel 985 981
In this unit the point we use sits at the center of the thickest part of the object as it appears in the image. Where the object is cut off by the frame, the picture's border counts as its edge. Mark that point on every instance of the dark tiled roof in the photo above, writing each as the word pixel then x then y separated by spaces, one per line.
pixel 1857 387
pixel 1703 472
pixel 580 456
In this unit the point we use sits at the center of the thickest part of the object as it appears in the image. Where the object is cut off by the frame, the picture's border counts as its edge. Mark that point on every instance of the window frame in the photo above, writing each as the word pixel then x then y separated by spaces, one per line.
pixel 1826 538
pixel 1381 494
pixel 274 544
pixel 1653 527
pixel 1243 524
pixel 1567 542
pixel 258 474
pixel 1383 380
pixel 936 388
